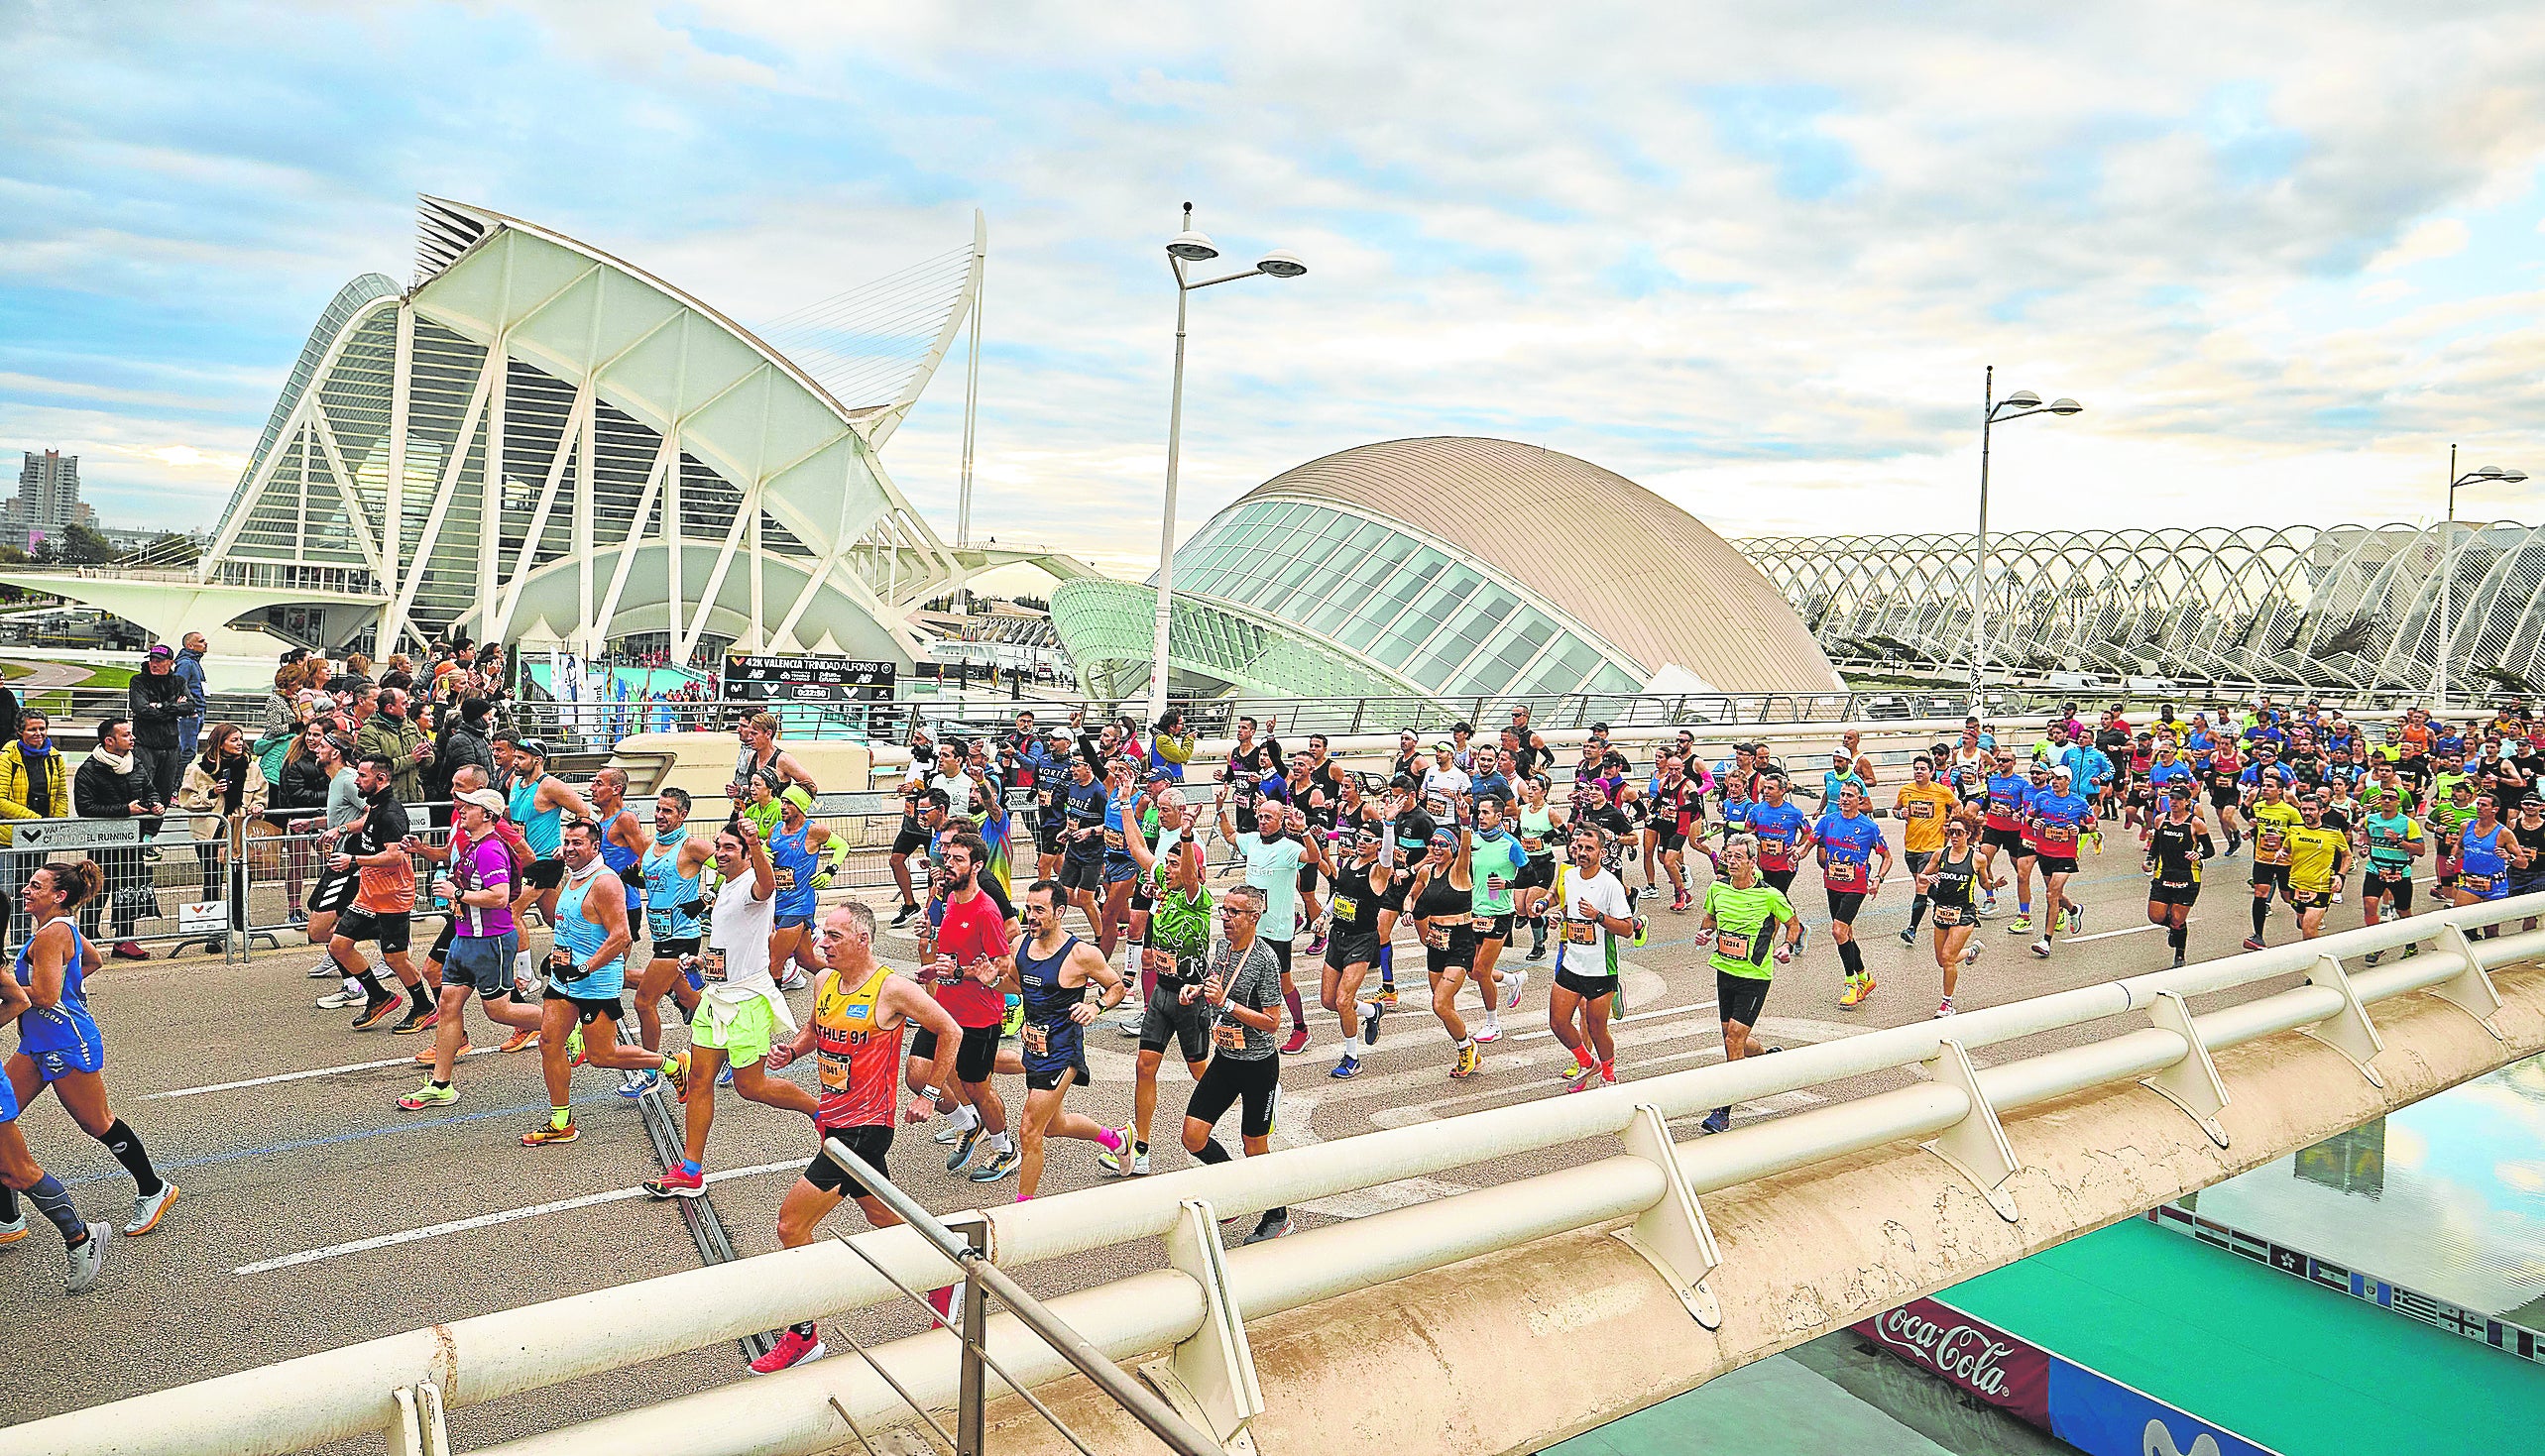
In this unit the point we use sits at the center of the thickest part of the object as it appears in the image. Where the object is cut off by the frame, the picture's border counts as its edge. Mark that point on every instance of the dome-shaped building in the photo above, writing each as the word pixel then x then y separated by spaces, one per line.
pixel 1448 566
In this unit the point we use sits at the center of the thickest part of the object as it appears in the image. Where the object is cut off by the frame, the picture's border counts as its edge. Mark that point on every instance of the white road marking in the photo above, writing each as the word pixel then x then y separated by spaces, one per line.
pixel 2127 930
pixel 293 1077
pixel 486 1220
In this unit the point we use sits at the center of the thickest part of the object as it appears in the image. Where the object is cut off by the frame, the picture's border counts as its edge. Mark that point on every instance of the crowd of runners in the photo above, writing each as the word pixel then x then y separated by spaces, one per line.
pixel 1099 880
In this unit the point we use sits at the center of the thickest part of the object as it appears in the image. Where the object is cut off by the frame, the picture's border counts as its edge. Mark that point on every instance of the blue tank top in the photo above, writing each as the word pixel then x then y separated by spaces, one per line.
pixel 580 937
pixel 2482 859
pixel 666 887
pixel 794 865
pixel 543 829
pixel 1047 1007
pixel 69 1026
pixel 621 861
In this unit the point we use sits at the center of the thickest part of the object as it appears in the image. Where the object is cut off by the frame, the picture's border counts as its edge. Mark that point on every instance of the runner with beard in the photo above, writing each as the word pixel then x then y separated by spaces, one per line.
pixel 1051 972
pixel 1783 833
pixel 1175 961
pixel 673 869
pixel 1494 861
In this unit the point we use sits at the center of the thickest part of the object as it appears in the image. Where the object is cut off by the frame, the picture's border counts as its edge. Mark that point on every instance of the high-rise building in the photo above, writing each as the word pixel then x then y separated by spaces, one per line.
pixel 48 497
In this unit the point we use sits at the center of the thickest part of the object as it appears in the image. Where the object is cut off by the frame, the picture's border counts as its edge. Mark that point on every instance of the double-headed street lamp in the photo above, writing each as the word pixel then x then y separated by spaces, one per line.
pixel 1189 247
pixel 1994 411
pixel 2448 559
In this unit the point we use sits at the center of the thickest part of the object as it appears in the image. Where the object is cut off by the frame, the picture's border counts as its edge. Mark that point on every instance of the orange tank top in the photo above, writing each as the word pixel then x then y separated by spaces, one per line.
pixel 861 1067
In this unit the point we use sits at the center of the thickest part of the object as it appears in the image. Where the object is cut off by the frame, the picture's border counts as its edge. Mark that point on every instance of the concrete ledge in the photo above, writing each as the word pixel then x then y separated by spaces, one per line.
pixel 1517 1350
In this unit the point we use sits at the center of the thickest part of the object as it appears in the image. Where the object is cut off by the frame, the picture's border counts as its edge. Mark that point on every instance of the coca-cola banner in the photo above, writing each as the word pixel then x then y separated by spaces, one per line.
pixel 1979 1358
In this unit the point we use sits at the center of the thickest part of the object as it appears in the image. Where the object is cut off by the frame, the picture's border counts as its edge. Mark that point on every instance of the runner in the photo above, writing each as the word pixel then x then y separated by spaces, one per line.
pixel 374 851
pixel 1443 904
pixel 1175 961
pixel 2318 856
pixel 1949 880
pixel 1120 871
pixel 1351 948
pixel 1538 822
pixel 860 1010
pixel 624 841
pixel 1273 854
pixel 910 836
pixel 2528 855
pixel 2483 861
pixel 739 1008
pixel 62 1034
pixel 1783 835
pixel 2274 819
pixel 795 856
pixel 478 886
pixel 1243 990
pixel 673 869
pixel 540 803
pixel 1924 807
pixel 2028 853
pixel 2060 821
pixel 1084 804
pixel 587 973
pixel 1595 910
pixel 2175 845
pixel 1052 971
pixel 973 958
pixel 1848 842
pixel 1494 861
pixel 2225 773
pixel 1740 916
pixel 332 753
pixel 2009 793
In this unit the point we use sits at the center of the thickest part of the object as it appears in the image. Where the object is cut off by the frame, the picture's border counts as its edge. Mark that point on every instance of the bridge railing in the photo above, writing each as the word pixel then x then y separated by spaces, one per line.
pixel 1197 1304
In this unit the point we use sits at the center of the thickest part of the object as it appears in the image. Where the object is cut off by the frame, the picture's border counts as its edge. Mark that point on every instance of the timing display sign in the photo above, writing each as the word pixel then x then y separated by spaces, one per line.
pixel 750 678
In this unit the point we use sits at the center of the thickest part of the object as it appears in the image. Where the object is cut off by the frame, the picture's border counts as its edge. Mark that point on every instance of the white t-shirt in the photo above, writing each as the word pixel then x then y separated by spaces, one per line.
pixel 738 927
pixel 1585 947
pixel 1440 788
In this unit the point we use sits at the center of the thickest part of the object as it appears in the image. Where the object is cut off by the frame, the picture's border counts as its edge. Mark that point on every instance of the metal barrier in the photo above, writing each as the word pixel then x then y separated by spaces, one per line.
pixel 1191 1307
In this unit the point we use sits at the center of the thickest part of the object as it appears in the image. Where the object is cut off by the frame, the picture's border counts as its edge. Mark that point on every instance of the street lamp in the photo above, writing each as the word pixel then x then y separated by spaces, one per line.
pixel 1189 247
pixel 2448 559
pixel 1994 410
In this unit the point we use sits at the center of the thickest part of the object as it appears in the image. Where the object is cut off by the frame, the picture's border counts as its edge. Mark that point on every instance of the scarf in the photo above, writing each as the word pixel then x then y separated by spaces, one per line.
pixel 120 762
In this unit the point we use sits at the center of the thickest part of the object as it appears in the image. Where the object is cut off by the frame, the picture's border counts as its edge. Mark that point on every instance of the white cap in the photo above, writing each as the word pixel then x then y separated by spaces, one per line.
pixel 2062 771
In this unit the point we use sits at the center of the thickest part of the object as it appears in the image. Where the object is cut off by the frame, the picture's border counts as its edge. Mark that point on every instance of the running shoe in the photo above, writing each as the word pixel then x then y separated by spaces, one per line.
pixel 1987 907
pixel 548 1132
pixel 964 1144
pixel 425 1056
pixel 13 1230
pixel 902 917
pixel 724 1075
pixel 1115 1160
pixel 1127 1029
pixel 1909 936
pixel 677 1184
pixel 148 1211
pixel 1465 1066
pixel 791 1349
pixel 1717 1121
pixel 1512 984
pixel 2076 916
pixel 1971 953
pixel 2411 951
pixel 2021 924
pixel 520 1039
pixel 1944 1008
pixel 326 969
pixel 2254 943
pixel 1386 994
pixel 2042 947
pixel 679 1076
pixel 795 980
pixel 1492 1032
pixel 417 1021
pixel 1371 1011
pixel 637 1083
pixel 1579 1075
pixel 1296 1043
pixel 343 1000
pixel 2178 961
pixel 1273 1226
pixel 947 1135
pixel 297 917
pixel 1856 992
pixel 2372 958
pixel 1315 944
pixel 1349 1067
pixel 377 1013
pixel 1538 951
pixel 1001 1163
pixel 87 1259
pixel 428 1095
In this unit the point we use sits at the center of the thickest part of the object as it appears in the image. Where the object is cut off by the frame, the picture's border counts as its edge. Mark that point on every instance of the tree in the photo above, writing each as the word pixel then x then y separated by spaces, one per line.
pixel 86 546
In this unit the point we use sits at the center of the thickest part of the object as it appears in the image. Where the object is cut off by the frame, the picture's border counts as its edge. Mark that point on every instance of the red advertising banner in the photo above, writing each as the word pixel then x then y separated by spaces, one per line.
pixel 1979 1358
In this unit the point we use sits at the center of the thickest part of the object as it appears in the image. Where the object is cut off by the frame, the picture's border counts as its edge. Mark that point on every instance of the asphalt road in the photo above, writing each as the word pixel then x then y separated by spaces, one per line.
pixel 315 1212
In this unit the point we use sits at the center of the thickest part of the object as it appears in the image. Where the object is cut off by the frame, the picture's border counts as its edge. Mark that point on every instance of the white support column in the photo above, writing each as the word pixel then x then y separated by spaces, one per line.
pixel 1975 1147
pixel 743 513
pixel 355 522
pixel 393 532
pixel 2471 989
pixel 490 519
pixel 673 543
pixel 586 634
pixel 760 577
pixel 628 544
pixel 2192 1084
pixel 2348 1032
pixel 1672 1235
pixel 571 445
pixel 432 535
pixel 1209 1379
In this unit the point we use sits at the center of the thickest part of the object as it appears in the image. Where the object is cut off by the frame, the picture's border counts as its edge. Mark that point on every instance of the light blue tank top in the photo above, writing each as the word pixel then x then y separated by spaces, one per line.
pixel 543 829
pixel 666 886
pixel 580 937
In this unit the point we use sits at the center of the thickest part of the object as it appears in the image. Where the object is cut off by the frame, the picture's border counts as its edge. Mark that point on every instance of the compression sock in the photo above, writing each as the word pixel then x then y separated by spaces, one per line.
pixel 421 996
pixel 49 1198
pixel 2178 937
pixel 369 980
pixel 1583 1055
pixel 1387 964
pixel 1852 959
pixel 10 1212
pixel 2261 913
pixel 1298 1013
pixel 1917 913
pixel 1148 982
pixel 126 1145
pixel 1211 1152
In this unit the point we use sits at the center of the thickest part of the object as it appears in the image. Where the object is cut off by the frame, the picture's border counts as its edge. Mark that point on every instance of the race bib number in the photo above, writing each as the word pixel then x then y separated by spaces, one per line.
pixel 1731 944
pixel 1846 875
pixel 2476 883
pixel 1045 797
pixel 1532 843
pixel 1228 1035
pixel 1345 907
pixel 2267 841
pixel 1921 809
pixel 2058 837
pixel 1435 935
pixel 785 876
pixel 1113 840
pixel 1948 915
pixel 1037 1039
pixel 1580 932
pixel 1776 855
pixel 711 965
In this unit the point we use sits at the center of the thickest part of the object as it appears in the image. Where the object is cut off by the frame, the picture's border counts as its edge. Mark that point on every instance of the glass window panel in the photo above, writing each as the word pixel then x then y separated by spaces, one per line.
pixel 1468 631
pixel 1561 669
pixel 1499 664
pixel 1611 680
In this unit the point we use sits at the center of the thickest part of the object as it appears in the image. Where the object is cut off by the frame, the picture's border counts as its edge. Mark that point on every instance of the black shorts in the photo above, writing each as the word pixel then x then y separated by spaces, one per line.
pixel 1046 838
pixel 1458 954
pixel 1308 879
pixel 676 948
pixel 1951 917
pixel 1844 904
pixel 1281 955
pixel 1166 1019
pixel 545 874
pixel 2275 876
pixel 1050 1077
pixel 1082 874
pixel 974 1059
pixel 868 1143
pixel 588 1011
pixel 1538 874
pixel 1588 987
pixel 1740 998
pixel 2159 892
pixel 1229 1080
pixel 1493 927
pixel 2397 887
pixel 2225 798
pixel 2008 841
pixel 389 928
pixel 1667 837
pixel 2309 899
pixel 909 841
pixel 1778 880
pixel 1343 949
pixel 2051 865
pixel 334 893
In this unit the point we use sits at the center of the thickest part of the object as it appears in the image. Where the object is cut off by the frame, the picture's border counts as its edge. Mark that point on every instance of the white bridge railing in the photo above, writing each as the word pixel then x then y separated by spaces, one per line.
pixel 1192 1306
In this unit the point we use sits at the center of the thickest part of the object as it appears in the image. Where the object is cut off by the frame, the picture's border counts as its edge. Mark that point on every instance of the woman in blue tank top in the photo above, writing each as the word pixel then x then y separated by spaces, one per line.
pixel 59 1047
pixel 795 853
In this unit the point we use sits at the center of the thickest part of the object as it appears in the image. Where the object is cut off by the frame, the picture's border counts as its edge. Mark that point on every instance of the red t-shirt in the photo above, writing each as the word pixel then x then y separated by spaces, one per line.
pixel 971 933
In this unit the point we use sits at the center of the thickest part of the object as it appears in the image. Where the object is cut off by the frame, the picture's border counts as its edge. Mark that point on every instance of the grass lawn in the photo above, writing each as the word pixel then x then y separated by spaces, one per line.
pixel 108 677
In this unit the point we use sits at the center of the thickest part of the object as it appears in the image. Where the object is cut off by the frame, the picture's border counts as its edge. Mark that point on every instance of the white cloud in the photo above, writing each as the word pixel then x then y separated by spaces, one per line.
pixel 2439 236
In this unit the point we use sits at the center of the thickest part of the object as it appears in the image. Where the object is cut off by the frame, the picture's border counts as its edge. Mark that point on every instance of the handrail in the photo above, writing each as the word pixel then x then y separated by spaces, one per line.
pixel 317 1399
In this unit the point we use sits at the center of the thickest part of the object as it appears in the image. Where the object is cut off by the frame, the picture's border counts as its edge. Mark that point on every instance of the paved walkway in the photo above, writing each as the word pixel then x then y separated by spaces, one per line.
pixel 47 674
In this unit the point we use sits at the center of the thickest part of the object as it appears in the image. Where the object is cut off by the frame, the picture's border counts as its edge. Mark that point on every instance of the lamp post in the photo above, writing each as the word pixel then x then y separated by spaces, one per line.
pixel 2447 561
pixel 1993 411
pixel 1189 247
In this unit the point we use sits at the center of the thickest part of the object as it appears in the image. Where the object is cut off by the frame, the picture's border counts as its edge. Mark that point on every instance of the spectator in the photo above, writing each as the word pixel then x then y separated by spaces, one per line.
pixel 281 714
pixel 225 790
pixel 463 744
pixel 398 672
pixel 111 784
pixel 391 734
pixel 160 709
pixel 300 792
pixel 35 783
pixel 190 670
pixel 352 677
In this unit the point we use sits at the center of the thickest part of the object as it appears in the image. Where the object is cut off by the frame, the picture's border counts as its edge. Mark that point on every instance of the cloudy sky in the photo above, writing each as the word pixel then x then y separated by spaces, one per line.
pixel 1753 257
